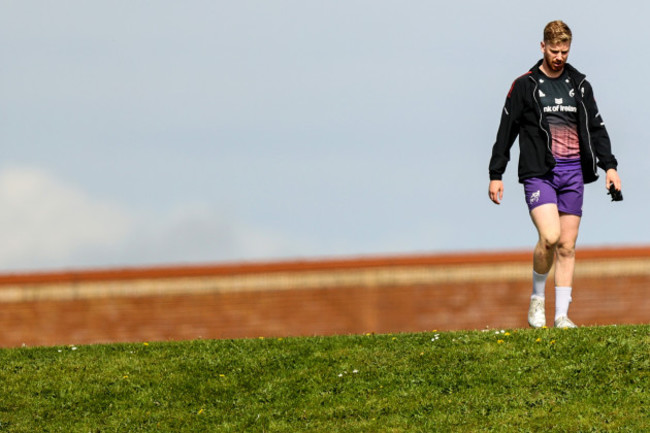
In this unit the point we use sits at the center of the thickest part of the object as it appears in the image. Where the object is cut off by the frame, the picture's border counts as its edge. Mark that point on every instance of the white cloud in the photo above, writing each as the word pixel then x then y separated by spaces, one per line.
pixel 194 233
pixel 44 221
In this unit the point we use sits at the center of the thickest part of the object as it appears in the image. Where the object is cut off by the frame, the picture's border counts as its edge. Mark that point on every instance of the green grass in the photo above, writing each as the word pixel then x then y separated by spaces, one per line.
pixel 575 380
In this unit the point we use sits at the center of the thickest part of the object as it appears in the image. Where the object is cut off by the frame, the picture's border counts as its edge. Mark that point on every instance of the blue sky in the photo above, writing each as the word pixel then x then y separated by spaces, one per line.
pixel 165 132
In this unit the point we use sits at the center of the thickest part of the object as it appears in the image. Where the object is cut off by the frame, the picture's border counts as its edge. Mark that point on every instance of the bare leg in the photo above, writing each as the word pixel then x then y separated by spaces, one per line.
pixel 565 253
pixel 547 221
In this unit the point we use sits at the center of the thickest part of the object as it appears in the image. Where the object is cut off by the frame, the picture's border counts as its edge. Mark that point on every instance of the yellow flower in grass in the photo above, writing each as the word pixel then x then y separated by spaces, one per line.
pixel 538 340
pixel 500 341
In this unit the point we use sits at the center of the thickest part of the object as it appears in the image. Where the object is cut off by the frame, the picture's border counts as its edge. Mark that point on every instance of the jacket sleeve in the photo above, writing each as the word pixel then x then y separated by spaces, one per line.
pixel 599 136
pixel 507 132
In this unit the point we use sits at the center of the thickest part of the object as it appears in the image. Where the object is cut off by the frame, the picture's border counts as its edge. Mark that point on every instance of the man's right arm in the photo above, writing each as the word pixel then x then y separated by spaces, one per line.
pixel 507 132
pixel 506 135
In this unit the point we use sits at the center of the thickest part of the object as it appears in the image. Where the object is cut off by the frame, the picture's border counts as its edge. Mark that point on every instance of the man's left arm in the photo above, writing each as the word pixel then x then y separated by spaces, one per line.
pixel 600 139
pixel 599 136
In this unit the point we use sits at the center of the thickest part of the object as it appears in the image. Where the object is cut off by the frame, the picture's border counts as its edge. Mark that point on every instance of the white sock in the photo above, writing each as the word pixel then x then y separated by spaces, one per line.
pixel 562 301
pixel 539 285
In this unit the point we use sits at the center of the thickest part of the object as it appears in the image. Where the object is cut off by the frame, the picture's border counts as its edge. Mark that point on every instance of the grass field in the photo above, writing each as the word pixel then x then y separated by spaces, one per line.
pixel 574 380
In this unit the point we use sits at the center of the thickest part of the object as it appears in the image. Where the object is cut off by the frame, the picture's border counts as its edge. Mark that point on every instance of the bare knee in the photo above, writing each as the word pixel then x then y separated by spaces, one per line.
pixel 549 241
pixel 545 252
pixel 566 250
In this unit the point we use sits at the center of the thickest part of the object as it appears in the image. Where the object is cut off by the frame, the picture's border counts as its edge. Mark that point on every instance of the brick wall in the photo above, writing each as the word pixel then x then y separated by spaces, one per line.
pixel 388 294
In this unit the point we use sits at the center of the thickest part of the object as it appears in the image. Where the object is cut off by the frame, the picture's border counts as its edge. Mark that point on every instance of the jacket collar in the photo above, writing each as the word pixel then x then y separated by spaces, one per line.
pixel 575 75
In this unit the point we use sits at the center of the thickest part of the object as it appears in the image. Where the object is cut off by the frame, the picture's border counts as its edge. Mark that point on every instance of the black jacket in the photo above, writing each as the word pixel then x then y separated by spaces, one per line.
pixel 522 115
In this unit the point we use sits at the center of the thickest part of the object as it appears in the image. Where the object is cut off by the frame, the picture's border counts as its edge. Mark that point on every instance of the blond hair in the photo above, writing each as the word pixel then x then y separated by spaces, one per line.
pixel 557 32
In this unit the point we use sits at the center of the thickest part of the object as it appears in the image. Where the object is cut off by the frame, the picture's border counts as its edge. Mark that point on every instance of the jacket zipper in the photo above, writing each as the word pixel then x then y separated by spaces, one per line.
pixel 539 107
pixel 584 107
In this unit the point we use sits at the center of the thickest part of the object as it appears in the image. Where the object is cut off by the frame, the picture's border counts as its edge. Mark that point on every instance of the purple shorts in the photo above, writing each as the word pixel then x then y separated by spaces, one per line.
pixel 563 186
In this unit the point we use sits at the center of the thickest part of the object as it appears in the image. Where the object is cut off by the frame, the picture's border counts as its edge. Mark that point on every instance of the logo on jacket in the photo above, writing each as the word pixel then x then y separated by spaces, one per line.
pixel 572 93
pixel 559 101
pixel 542 94
pixel 534 197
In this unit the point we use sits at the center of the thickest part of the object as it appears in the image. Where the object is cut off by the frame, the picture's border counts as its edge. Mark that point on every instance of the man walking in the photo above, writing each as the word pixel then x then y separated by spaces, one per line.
pixel 562 141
